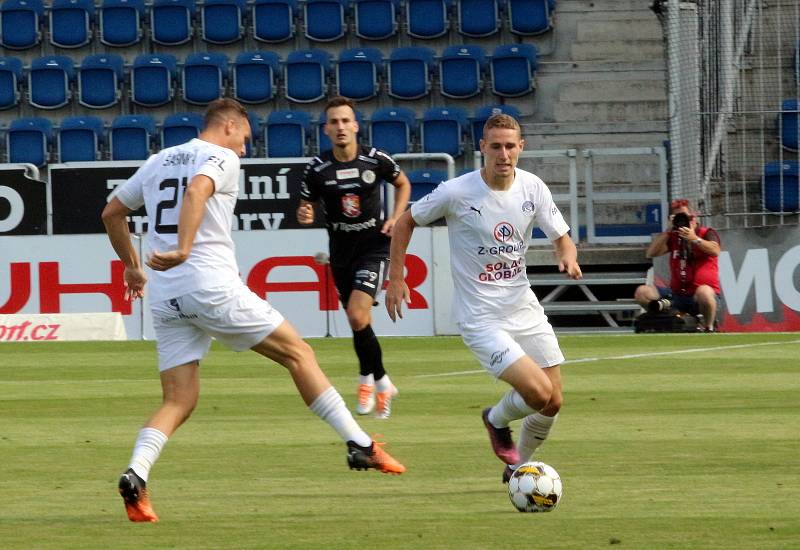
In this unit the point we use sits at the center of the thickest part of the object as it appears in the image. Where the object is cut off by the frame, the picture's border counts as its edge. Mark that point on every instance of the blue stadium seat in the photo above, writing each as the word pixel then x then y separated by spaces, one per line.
pixel 287 133
pixel 180 127
pixel 20 23
pixel 120 22
pixel 306 75
pixel 273 20
pixel 203 77
pixel 427 18
pixel 409 72
pixel 424 181
pixel 79 139
pixel 357 73
pixel 171 21
pixel 71 23
pixel 513 68
pixel 375 19
pixel 10 81
pixel 130 137
pixel 393 129
pixel 443 129
pixel 324 143
pixel 222 21
pixel 530 17
pixel 324 19
pixel 152 78
pixel 789 125
pixel 461 70
pixel 254 76
pixel 254 144
pixel 100 79
pixel 478 18
pixel 781 186
pixel 483 113
pixel 49 81
pixel 28 140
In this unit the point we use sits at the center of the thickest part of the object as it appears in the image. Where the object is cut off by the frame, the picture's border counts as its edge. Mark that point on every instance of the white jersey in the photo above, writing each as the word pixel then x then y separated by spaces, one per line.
pixel 489 232
pixel 159 185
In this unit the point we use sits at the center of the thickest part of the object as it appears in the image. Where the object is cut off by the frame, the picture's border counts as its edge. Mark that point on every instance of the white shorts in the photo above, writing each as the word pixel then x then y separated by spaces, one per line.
pixel 498 343
pixel 235 316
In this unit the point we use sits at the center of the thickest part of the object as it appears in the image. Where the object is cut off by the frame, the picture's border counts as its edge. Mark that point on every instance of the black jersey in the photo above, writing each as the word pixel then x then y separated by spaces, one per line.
pixel 351 199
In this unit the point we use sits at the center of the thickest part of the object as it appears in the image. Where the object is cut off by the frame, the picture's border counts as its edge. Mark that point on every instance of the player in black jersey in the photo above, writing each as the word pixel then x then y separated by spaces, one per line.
pixel 348 180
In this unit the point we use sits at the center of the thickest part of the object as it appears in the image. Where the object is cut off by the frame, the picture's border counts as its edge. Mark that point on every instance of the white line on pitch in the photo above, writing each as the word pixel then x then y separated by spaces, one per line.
pixel 630 356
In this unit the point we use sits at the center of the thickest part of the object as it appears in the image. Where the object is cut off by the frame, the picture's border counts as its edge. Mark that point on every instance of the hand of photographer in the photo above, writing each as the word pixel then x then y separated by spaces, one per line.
pixel 687 233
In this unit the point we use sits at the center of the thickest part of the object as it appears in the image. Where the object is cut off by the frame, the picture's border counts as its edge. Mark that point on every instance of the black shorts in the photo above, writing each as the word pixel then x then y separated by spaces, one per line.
pixel 365 273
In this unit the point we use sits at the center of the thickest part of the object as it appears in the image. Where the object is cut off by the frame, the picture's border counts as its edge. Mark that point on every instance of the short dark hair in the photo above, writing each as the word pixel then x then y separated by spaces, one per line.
pixel 221 110
pixel 340 101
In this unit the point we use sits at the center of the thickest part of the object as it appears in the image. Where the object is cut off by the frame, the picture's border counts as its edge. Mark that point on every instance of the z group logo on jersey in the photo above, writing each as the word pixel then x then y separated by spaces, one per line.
pixel 351 205
pixel 503 231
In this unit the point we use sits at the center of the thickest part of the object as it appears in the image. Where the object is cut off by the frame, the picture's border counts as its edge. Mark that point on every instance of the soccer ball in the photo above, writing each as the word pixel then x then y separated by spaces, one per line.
pixel 535 487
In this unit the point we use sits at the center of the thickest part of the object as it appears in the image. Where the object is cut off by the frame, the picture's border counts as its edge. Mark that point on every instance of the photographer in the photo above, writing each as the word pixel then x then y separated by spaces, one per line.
pixel 694 274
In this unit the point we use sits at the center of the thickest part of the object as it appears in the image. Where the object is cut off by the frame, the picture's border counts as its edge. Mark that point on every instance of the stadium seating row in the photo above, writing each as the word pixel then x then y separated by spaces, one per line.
pixel 283 134
pixel 121 23
pixel 254 76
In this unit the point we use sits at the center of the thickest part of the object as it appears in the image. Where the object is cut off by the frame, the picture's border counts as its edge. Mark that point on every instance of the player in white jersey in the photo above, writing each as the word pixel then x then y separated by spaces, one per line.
pixel 189 192
pixel 490 216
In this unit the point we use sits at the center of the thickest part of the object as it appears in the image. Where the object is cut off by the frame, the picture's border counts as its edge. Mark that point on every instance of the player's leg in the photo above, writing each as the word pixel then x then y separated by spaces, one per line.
pixel 706 300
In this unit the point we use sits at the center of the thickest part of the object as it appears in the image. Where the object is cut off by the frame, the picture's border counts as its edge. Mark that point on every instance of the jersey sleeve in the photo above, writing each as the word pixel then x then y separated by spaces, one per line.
pixel 432 206
pixel 389 169
pixel 219 166
pixel 309 190
pixel 549 217
pixel 131 193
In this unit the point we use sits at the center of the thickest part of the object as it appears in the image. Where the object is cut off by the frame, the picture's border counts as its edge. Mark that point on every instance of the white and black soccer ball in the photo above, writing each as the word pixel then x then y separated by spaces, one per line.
pixel 535 487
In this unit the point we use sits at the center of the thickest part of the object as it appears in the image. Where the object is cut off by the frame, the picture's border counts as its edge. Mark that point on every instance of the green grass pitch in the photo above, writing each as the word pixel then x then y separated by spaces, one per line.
pixel 665 441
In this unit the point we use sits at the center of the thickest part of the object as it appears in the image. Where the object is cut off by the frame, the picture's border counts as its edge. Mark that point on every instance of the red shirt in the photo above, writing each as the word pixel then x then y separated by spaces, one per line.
pixel 689 266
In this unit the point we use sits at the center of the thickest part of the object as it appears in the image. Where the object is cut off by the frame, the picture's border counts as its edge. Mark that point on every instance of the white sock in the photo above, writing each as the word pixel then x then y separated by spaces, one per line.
pixel 535 429
pixel 369 380
pixel 330 407
pixel 510 407
pixel 146 450
pixel 384 384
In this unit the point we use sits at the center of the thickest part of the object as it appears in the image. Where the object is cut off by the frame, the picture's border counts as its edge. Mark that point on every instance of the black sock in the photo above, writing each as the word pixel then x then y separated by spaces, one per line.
pixel 368 350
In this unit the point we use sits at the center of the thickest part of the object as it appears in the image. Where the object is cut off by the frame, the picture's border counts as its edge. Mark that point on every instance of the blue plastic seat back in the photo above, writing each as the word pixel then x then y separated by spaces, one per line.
pixel 120 22
pixel 152 78
pixel 130 137
pixel 287 133
pixel 79 139
pixel 789 125
pixel 20 23
pixel 71 23
pixel 10 80
pixel 443 130
pixel 254 143
pixel 424 181
pixel 324 19
pixel 392 129
pixel 483 113
pixel 358 71
pixel 782 186
pixel 99 80
pixel 203 77
pixel 254 75
pixel 427 18
pixel 28 140
pixel 478 18
pixel 461 71
pixel 306 75
pixel 222 21
pixel 273 20
pixel 179 128
pixel 513 67
pixel 324 142
pixel 408 72
pixel 171 21
pixel 49 81
pixel 375 19
pixel 529 17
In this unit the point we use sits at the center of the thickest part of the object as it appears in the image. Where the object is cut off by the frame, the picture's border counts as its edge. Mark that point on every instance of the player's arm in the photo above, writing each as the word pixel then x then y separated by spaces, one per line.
pixel 658 246
pixel 567 256
pixel 116 223
pixel 305 212
pixel 397 289
pixel 402 192
pixel 193 209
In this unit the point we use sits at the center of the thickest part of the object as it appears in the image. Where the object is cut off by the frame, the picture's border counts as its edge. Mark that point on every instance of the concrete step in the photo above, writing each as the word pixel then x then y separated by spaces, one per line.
pixel 613 91
pixel 610 111
pixel 632 30
pixel 622 49
pixel 603 6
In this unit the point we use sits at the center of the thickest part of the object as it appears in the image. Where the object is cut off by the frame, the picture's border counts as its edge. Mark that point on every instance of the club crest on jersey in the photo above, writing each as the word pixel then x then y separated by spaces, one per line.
pixel 527 207
pixel 368 176
pixel 503 231
pixel 351 205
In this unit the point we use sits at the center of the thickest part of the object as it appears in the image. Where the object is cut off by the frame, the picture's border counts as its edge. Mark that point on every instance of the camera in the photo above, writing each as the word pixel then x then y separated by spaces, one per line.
pixel 681 219
pixel 658 306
